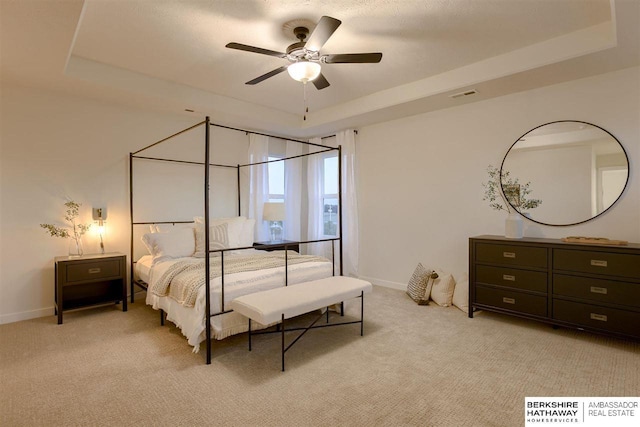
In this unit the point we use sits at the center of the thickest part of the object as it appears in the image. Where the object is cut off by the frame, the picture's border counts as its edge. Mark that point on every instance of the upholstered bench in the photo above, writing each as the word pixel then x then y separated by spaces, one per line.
pixel 277 305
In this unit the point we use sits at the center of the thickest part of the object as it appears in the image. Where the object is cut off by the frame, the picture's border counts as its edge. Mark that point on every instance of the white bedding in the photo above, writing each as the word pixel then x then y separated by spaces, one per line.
pixel 191 320
pixel 143 268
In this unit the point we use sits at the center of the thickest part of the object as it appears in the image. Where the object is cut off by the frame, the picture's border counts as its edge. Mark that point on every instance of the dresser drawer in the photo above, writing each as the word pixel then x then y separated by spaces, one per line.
pixel 613 264
pixel 512 300
pixel 80 272
pixel 523 256
pixel 512 278
pixel 593 316
pixel 597 290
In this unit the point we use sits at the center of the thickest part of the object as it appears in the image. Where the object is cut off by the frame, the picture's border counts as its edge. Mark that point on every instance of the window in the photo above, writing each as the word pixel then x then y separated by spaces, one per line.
pixel 330 196
pixel 276 180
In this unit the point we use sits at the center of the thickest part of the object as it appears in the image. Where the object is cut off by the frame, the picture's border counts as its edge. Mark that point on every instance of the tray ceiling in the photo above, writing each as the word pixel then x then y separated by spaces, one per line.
pixel 172 55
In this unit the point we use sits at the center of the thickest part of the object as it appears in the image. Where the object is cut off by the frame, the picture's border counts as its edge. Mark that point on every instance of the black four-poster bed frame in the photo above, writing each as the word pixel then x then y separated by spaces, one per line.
pixel 207 154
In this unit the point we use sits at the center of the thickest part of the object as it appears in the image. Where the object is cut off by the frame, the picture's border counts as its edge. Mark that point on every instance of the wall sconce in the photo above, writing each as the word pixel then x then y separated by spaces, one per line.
pixel 100 216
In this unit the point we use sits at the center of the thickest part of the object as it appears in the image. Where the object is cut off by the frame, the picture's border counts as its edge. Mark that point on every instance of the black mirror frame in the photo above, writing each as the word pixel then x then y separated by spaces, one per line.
pixel 626 184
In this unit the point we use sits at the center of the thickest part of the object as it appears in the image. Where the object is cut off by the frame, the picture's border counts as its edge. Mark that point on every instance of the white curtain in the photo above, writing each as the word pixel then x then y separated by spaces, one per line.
pixel 315 185
pixel 258 184
pixel 347 140
pixel 292 191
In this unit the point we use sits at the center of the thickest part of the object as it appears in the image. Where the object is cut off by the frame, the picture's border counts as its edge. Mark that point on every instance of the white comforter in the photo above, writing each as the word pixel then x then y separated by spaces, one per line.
pixel 191 320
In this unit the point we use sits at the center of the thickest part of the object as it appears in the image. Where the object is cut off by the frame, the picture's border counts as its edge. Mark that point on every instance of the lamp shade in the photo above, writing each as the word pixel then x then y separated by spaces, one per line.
pixel 273 212
pixel 304 71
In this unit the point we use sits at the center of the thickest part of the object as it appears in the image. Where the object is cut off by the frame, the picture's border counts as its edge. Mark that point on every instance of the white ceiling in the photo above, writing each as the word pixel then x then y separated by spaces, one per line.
pixel 171 55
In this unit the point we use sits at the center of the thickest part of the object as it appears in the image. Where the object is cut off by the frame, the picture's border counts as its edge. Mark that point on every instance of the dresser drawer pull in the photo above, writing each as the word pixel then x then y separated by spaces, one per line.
pixel 597 290
pixel 508 300
pixel 509 254
pixel 600 317
pixel 94 270
pixel 509 277
pixel 598 263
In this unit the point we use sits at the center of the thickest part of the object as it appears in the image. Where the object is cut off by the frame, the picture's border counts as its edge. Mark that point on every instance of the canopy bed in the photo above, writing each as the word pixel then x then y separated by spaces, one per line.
pixel 224 255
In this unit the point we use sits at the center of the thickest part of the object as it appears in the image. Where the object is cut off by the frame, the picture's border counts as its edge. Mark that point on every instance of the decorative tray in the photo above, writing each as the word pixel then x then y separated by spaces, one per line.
pixel 594 240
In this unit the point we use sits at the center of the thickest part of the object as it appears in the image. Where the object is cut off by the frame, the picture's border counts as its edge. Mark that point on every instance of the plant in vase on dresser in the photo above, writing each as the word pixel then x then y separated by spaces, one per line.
pixel 506 193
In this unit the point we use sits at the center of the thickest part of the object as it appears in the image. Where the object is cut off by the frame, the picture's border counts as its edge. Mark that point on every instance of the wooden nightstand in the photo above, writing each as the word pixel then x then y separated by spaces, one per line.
pixel 90 280
pixel 277 245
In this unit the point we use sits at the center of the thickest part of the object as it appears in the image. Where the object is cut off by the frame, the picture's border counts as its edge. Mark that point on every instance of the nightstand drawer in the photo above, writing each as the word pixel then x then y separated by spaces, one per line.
pixel 593 316
pixel 524 256
pixel 597 290
pixel 608 263
pixel 81 272
pixel 512 300
pixel 512 278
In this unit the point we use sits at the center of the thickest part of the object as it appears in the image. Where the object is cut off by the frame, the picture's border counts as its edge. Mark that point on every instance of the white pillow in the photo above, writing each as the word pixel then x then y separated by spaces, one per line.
pixel 178 243
pixel 442 289
pixel 167 228
pixel 235 227
pixel 200 219
pixel 248 229
pixel 461 293
pixel 218 239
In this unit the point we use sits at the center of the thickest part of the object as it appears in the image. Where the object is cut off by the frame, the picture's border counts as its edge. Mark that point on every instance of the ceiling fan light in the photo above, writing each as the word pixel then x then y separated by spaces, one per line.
pixel 304 71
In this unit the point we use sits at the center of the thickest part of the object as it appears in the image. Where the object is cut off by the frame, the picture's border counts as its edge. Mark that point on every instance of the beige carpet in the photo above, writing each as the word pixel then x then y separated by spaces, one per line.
pixel 415 366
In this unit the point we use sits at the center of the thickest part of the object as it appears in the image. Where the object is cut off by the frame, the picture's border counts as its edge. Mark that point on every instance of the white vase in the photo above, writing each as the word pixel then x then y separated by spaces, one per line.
pixel 513 226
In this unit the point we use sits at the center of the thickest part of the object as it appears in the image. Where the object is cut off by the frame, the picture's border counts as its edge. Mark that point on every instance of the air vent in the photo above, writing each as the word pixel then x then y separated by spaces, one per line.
pixel 465 93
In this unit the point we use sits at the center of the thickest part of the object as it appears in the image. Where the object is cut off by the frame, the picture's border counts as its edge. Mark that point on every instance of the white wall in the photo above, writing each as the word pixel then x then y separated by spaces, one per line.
pixel 420 177
pixel 56 147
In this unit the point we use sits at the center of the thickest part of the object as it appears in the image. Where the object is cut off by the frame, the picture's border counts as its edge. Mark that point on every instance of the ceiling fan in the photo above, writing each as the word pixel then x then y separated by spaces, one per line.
pixel 304 56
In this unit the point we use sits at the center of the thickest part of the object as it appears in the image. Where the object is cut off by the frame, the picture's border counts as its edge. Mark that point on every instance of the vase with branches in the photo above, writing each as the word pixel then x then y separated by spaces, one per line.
pixel 505 193
pixel 75 231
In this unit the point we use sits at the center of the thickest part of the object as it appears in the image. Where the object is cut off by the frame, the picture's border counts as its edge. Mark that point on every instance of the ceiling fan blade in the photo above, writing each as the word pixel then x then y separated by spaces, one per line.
pixel 267 75
pixel 254 49
pixel 347 58
pixel 320 82
pixel 325 28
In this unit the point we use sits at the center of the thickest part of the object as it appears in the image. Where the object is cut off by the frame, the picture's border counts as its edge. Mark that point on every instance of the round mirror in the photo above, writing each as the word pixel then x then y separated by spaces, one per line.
pixel 564 172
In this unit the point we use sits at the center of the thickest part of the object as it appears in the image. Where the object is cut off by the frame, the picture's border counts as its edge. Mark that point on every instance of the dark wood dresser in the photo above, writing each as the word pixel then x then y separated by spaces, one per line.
pixel 590 287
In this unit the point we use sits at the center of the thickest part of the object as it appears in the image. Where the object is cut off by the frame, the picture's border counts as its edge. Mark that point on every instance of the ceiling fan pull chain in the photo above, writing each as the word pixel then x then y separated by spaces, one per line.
pixel 306 108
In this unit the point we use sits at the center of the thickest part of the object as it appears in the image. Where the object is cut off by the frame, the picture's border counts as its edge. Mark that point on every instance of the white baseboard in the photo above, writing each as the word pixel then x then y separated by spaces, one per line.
pixel 44 312
pixel 385 283
pixel 26 315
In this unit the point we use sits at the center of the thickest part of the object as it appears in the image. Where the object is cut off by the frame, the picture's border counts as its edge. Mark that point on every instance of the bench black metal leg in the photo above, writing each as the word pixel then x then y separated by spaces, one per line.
pixel 362 313
pixel 282 329
pixel 161 317
pixel 283 350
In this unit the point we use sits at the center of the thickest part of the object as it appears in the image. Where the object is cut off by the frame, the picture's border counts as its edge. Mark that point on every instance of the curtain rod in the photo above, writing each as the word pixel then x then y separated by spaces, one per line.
pixel 266 134
pixel 331 136
pixel 289 158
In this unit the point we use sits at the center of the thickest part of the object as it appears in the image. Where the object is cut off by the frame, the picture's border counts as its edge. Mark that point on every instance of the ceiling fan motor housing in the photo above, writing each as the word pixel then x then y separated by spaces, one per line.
pixel 301 33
